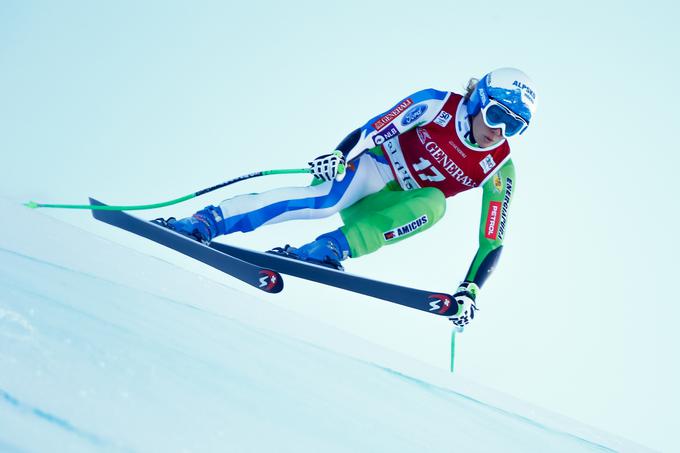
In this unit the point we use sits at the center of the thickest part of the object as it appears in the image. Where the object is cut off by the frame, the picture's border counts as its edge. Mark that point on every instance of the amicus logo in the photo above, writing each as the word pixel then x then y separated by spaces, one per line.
pixel 440 302
pixel 413 114
pixel 406 228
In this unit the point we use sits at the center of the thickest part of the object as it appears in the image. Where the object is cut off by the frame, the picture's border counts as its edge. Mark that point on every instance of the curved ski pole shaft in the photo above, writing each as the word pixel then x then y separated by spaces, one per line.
pixel 33 204
pixel 249 176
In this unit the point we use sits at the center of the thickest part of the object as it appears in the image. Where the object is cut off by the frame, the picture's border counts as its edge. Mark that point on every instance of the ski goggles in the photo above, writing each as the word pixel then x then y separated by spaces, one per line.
pixel 497 115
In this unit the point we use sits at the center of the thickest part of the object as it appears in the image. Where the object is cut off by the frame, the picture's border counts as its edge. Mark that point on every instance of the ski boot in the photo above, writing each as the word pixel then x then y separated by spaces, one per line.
pixel 327 250
pixel 202 226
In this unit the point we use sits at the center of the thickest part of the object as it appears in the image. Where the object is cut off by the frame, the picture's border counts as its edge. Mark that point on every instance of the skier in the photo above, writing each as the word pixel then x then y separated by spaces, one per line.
pixel 389 179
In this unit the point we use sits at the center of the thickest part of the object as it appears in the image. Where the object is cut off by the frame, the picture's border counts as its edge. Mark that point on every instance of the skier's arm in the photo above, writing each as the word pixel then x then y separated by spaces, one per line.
pixel 496 198
pixel 415 110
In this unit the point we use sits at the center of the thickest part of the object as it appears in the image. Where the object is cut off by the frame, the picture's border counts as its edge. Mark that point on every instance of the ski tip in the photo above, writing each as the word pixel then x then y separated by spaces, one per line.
pixel 32 204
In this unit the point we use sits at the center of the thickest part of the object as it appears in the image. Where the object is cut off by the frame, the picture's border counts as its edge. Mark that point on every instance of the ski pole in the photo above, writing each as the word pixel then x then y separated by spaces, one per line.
pixel 33 204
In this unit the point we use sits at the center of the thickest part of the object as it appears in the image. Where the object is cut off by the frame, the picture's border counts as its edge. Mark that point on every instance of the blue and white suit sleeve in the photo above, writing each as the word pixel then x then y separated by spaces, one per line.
pixel 417 109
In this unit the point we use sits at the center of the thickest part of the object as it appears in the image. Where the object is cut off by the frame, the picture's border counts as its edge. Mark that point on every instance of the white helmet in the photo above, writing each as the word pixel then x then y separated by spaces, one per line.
pixel 509 87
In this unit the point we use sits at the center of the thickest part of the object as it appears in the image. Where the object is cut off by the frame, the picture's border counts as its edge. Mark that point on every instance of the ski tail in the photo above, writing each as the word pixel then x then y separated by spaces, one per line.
pixel 262 278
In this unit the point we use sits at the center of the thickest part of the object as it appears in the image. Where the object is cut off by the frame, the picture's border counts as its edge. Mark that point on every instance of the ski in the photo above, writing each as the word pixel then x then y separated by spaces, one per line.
pixel 261 277
pixel 431 302
pixel 263 270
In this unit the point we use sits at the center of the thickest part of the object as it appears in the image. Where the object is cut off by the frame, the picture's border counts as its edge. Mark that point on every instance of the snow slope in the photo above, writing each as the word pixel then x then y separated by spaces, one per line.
pixel 103 348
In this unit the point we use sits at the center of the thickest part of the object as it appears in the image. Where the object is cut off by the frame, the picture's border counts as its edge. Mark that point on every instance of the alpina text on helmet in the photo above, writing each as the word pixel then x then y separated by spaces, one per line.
pixel 526 88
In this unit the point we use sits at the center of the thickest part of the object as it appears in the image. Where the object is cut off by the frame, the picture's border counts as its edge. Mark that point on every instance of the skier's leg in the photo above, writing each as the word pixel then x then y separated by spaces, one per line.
pixel 382 218
pixel 390 216
pixel 365 175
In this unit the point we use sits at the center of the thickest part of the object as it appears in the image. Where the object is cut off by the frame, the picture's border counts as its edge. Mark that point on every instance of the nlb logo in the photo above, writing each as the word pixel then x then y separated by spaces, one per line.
pixel 385 135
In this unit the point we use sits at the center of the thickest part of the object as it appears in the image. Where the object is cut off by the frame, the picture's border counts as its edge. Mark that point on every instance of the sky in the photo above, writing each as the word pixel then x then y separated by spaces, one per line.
pixel 139 103
pixel 94 356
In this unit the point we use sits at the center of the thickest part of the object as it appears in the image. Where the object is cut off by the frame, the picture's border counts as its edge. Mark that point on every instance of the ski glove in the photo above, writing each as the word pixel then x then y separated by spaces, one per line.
pixel 465 299
pixel 329 167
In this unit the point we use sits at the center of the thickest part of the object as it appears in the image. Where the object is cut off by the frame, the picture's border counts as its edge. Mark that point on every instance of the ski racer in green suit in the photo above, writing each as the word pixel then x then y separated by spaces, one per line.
pixel 389 179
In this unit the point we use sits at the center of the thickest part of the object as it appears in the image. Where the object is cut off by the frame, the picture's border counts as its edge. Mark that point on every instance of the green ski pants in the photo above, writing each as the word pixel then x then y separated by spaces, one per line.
pixel 389 216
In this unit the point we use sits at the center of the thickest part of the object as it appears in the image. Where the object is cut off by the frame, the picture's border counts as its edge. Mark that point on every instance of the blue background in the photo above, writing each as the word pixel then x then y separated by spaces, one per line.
pixel 138 102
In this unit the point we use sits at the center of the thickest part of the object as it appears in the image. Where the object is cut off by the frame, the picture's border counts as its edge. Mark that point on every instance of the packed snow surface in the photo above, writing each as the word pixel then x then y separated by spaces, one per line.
pixel 103 348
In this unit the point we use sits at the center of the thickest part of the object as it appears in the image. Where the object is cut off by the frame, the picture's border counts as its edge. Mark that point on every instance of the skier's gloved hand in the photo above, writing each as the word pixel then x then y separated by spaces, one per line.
pixel 329 167
pixel 465 299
